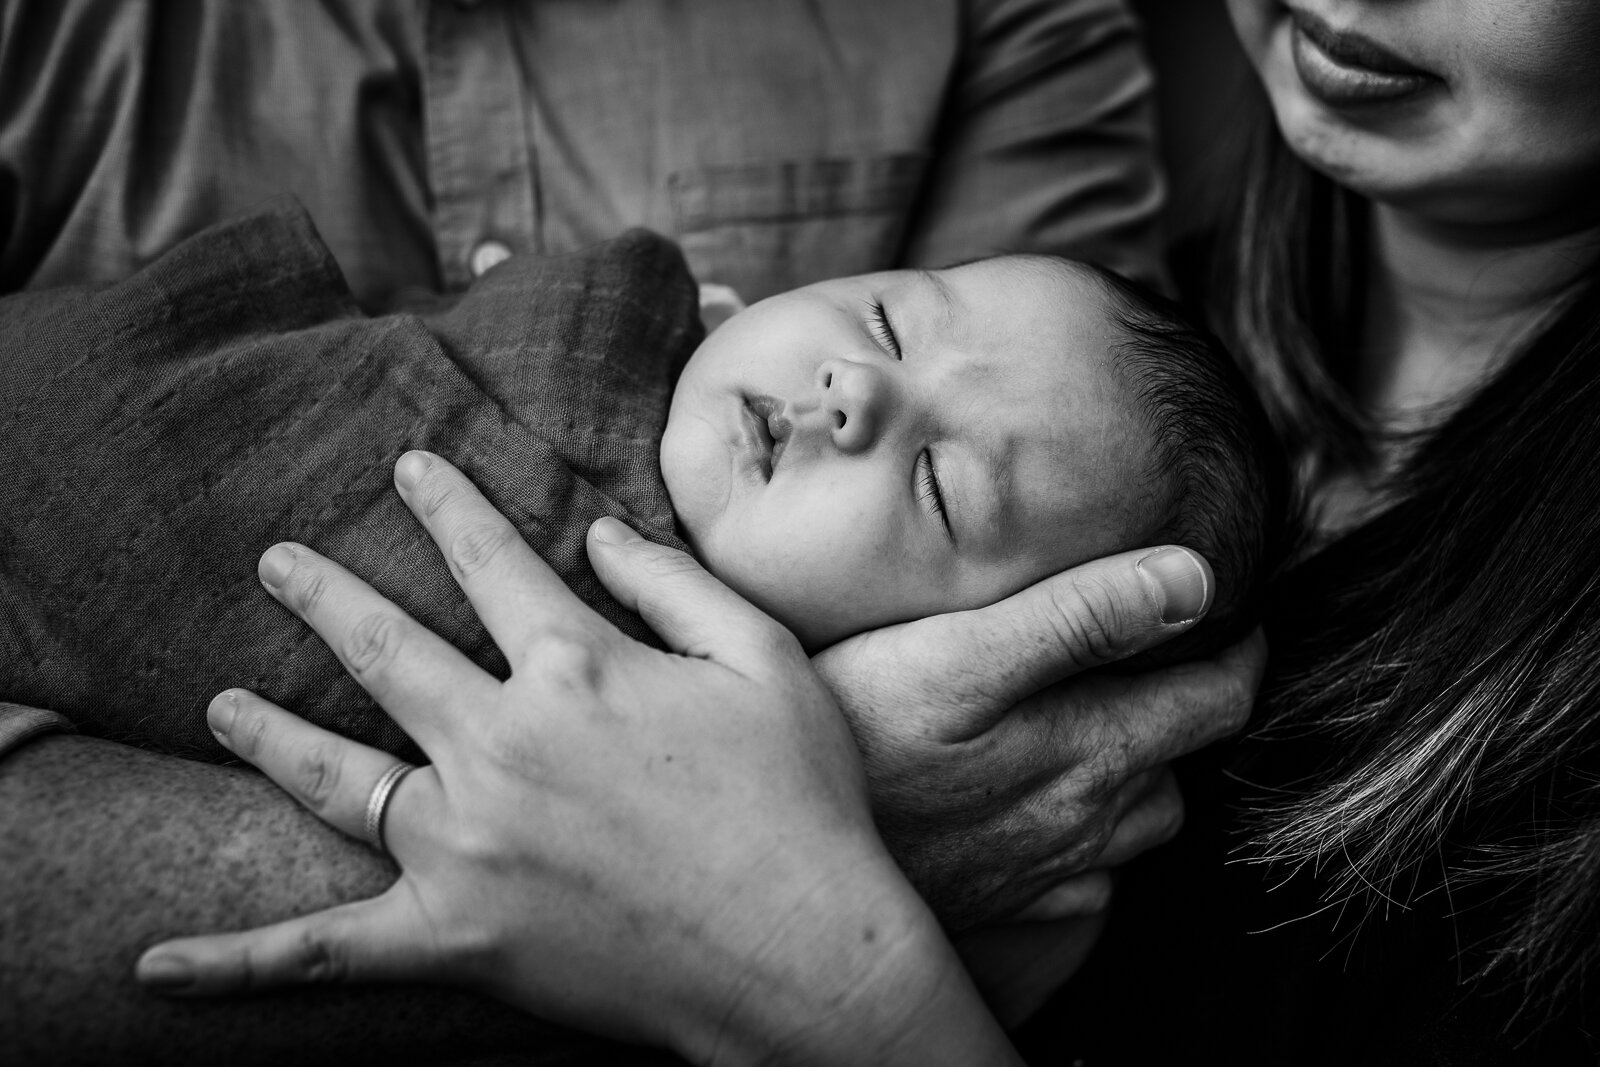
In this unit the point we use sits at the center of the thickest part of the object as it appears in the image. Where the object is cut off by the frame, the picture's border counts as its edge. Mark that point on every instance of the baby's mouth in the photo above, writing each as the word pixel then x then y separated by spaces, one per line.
pixel 772 429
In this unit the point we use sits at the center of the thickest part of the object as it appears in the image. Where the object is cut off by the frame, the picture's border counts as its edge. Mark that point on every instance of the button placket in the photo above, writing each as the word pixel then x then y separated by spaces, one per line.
pixel 480 166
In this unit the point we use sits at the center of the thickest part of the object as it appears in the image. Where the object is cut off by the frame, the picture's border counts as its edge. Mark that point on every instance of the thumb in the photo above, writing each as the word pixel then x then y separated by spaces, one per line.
pixel 1096 613
pixel 690 610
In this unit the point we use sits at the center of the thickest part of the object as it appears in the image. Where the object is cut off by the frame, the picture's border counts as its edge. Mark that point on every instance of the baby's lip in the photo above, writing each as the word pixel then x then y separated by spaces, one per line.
pixel 769 428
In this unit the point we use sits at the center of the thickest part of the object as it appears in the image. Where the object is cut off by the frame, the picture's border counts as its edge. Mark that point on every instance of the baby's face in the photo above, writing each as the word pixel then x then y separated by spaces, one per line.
pixel 881 448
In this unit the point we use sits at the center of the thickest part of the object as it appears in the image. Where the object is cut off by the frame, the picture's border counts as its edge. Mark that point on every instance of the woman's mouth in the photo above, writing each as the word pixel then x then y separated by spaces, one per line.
pixel 767 432
pixel 1342 68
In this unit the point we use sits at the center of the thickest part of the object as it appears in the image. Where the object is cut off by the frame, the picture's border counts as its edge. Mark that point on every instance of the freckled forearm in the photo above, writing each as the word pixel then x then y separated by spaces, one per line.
pixel 105 850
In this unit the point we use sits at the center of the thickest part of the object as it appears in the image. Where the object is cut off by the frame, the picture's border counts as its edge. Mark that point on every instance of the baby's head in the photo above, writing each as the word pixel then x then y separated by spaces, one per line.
pixel 881 448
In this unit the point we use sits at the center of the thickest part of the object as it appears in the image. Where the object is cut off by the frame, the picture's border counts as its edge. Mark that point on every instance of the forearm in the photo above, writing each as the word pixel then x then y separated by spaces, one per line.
pixel 873 980
pixel 942 1018
pixel 105 850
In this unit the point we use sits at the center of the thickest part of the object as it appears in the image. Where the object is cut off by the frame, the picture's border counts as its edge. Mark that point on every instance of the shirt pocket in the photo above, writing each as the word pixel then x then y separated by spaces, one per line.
pixel 763 227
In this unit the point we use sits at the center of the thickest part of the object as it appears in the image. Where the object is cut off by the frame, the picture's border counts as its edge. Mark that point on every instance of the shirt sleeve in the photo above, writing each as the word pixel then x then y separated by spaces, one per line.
pixel 1048 140
pixel 19 724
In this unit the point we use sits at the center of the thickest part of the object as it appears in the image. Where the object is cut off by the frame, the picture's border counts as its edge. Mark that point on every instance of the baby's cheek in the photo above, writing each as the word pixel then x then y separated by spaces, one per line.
pixel 822 592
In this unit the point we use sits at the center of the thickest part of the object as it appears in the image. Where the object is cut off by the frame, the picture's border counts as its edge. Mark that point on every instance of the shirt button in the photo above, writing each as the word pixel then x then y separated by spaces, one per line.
pixel 485 255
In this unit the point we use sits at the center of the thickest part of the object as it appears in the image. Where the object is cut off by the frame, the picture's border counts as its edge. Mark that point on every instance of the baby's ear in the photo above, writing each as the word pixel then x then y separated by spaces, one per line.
pixel 718 304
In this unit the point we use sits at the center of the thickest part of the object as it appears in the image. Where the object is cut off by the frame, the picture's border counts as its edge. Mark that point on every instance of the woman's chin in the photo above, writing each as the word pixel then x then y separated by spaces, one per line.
pixel 1379 166
pixel 1420 182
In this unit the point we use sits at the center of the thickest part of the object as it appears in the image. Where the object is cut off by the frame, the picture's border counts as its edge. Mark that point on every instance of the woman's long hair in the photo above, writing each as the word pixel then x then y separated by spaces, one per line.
pixel 1441 660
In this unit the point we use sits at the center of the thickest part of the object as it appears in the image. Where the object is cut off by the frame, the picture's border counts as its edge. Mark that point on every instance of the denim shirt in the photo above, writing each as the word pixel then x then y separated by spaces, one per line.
pixel 779 142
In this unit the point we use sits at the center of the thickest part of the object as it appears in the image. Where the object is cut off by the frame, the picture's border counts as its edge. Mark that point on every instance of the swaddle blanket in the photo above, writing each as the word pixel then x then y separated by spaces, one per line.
pixel 161 433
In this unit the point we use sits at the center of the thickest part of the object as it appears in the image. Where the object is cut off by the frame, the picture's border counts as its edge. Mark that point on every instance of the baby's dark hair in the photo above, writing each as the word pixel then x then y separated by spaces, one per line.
pixel 1230 498
pixel 1216 464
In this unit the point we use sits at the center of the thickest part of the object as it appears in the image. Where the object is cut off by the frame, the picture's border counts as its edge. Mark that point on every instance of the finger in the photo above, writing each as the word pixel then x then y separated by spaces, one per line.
pixel 1095 613
pixel 1153 818
pixel 416 675
pixel 693 613
pixel 367 941
pixel 1154 718
pixel 1083 894
pixel 330 775
pixel 515 593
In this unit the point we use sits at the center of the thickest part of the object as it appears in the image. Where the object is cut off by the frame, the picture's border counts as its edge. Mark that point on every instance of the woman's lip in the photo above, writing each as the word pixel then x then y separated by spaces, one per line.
pixel 1352 49
pixel 1343 69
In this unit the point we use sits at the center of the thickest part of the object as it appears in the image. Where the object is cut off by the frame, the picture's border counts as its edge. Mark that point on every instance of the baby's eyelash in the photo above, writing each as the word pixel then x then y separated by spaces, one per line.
pixel 928 489
pixel 882 328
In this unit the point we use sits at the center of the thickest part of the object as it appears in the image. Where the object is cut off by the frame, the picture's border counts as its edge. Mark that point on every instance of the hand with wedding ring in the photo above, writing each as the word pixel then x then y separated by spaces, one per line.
pixel 671 848
pixel 378 804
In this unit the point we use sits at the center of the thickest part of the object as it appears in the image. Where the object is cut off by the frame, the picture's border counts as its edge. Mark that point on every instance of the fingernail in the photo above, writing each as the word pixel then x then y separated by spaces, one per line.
pixel 411 467
pixel 165 972
pixel 219 715
pixel 613 531
pixel 1179 582
pixel 275 565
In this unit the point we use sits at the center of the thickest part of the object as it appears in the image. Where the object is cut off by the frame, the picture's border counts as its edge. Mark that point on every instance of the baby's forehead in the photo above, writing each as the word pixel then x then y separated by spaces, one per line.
pixel 1048 275
pixel 1036 316
pixel 1066 300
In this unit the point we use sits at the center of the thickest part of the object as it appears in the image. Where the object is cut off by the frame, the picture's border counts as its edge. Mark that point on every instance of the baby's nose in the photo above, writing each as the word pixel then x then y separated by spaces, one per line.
pixel 855 397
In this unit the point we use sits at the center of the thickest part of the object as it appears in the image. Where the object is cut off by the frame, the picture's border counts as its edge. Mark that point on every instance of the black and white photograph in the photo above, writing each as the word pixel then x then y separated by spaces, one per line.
pixel 615 533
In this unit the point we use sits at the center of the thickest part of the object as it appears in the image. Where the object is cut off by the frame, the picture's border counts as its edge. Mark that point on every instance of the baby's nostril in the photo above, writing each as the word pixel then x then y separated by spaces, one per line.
pixel 827 380
pixel 838 420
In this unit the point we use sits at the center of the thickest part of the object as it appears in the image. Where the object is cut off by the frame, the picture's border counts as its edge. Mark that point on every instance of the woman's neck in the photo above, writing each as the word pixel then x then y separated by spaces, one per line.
pixel 1447 304
pixel 1445 307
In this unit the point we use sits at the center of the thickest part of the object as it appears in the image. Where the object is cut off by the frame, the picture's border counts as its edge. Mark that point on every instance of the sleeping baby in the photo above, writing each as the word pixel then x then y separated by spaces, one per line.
pixel 851 454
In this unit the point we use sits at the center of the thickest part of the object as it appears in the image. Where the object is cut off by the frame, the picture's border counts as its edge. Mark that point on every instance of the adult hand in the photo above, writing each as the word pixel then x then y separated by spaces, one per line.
pixel 1000 772
pixel 669 848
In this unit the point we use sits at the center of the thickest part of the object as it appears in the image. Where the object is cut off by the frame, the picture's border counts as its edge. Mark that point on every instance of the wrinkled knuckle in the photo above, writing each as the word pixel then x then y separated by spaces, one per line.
pixel 306 587
pixel 1092 846
pixel 433 492
pixel 1067 839
pixel 669 564
pixel 476 546
pixel 318 774
pixel 1088 624
pixel 373 644
pixel 248 734
pixel 1073 857
pixel 1106 765
pixel 317 960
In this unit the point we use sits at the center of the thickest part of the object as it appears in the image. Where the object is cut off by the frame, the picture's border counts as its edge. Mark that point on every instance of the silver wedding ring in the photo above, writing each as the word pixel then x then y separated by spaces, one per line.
pixel 378 804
